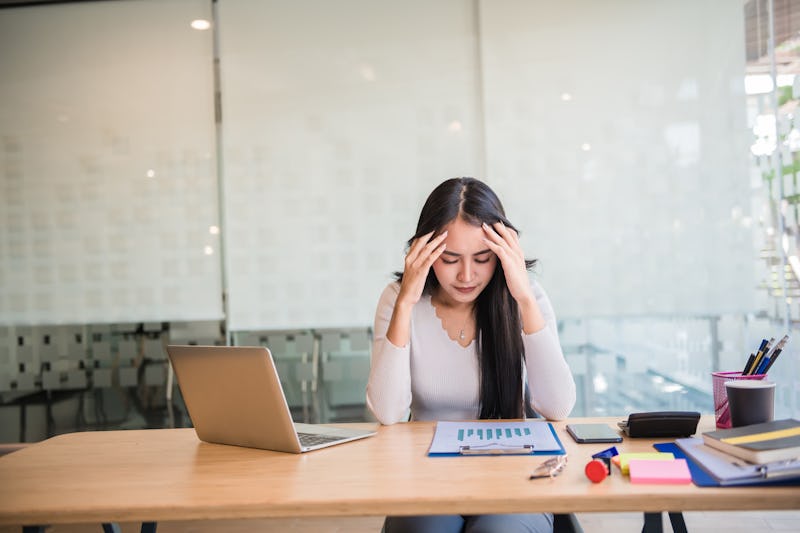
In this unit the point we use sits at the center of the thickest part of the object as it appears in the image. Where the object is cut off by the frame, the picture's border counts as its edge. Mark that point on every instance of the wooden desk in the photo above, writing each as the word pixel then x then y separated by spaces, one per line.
pixel 168 474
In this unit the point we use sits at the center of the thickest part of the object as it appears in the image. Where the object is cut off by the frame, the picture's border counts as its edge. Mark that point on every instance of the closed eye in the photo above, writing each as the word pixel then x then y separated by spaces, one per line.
pixel 482 257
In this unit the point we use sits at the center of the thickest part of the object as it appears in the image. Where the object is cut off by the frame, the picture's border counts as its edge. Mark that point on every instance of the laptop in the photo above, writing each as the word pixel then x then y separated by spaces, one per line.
pixel 234 396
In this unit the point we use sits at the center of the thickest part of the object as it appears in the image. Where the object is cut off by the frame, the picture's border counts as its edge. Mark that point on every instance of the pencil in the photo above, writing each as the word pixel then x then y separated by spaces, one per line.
pixel 775 353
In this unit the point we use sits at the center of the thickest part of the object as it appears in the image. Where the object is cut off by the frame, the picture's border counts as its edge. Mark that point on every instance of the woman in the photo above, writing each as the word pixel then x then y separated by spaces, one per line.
pixel 462 330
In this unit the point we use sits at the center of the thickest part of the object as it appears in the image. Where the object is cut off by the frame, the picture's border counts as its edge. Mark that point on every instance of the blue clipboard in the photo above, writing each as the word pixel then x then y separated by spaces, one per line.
pixel 701 478
pixel 528 449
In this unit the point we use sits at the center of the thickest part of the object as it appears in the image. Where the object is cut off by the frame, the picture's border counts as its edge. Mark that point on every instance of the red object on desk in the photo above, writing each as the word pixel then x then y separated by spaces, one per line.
pixel 596 470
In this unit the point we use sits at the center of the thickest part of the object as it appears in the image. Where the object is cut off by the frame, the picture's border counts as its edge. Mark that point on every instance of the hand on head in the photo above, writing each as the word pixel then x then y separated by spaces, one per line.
pixel 421 255
pixel 504 242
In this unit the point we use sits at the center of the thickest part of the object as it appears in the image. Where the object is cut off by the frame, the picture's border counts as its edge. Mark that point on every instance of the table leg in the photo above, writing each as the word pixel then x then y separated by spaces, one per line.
pixel 678 525
pixel 652 523
pixel 113 527
pixel 108 527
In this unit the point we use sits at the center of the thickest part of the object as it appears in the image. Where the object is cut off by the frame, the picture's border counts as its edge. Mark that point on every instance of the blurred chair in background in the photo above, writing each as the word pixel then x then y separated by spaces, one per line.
pixel 344 371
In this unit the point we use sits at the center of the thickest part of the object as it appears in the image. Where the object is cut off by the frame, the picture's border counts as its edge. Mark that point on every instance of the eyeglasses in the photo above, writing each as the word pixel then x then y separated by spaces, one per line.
pixel 550 468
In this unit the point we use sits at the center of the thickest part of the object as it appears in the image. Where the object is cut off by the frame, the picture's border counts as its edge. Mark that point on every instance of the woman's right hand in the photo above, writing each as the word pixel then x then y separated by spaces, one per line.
pixel 421 255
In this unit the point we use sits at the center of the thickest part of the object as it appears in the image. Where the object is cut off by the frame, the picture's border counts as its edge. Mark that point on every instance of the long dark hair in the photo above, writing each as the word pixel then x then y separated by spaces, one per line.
pixel 501 353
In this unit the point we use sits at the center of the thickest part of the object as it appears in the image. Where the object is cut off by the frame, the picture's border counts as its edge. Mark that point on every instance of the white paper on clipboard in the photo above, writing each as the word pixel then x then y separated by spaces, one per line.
pixel 493 437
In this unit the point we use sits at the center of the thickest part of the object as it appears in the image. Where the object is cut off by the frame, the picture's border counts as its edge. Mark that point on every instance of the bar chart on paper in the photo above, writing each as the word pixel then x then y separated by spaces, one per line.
pixel 530 436
pixel 492 434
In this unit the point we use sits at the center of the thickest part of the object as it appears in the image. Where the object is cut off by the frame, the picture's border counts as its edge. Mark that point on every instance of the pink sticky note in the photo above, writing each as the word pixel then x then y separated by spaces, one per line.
pixel 660 472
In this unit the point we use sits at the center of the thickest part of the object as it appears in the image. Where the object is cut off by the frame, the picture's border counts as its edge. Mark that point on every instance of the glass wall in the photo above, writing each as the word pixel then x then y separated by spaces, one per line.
pixel 619 138
pixel 335 127
pixel 773 89
pixel 108 164
pixel 262 175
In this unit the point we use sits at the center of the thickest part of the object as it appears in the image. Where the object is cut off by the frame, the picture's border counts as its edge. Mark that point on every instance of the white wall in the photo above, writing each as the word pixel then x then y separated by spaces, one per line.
pixel 92 97
pixel 648 220
pixel 335 131
pixel 338 119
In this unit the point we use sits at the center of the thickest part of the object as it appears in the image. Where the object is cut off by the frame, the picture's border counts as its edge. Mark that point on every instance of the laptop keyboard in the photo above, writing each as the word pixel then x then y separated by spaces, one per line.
pixel 313 439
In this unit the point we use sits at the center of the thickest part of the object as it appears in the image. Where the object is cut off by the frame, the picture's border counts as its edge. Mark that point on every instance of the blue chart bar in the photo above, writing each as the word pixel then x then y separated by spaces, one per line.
pixel 493 434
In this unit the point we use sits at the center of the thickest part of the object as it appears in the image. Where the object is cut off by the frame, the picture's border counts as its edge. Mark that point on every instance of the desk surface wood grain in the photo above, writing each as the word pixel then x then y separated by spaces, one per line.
pixel 168 474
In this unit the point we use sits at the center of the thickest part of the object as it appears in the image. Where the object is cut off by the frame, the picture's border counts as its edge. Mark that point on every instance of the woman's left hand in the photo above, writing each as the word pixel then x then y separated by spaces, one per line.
pixel 504 242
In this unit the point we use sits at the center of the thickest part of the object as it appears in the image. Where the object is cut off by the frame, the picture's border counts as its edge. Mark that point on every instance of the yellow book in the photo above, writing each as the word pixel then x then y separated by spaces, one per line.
pixel 778 440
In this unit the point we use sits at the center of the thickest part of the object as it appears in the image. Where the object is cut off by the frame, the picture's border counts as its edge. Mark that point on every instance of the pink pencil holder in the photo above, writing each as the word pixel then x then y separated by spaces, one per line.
pixel 721 411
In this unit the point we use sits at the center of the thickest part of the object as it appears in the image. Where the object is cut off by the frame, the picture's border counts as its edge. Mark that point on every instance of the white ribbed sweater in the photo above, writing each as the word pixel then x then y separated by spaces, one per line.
pixel 438 379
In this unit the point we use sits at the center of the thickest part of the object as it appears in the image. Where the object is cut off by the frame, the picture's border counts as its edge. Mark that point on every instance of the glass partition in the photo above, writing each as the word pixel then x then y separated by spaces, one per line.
pixel 108 183
pixel 338 121
pixel 647 151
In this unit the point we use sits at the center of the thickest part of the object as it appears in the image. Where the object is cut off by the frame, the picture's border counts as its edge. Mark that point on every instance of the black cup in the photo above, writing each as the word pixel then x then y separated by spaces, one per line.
pixel 750 401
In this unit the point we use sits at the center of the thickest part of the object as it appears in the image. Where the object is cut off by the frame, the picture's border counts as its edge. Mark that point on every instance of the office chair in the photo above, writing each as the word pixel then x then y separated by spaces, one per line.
pixel 566 523
pixel 344 358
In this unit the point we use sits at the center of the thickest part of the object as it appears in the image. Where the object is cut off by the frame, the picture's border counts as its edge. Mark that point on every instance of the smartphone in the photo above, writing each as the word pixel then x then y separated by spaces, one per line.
pixel 587 433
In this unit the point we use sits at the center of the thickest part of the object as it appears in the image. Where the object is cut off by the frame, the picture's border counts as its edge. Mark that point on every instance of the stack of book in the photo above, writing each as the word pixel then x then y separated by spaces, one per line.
pixel 760 453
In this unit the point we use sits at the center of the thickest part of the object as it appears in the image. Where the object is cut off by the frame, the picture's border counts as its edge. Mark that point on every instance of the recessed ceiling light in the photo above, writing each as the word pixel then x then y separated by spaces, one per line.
pixel 200 24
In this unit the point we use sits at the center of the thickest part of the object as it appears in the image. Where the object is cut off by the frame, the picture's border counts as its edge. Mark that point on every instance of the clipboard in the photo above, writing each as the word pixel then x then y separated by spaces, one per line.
pixel 495 437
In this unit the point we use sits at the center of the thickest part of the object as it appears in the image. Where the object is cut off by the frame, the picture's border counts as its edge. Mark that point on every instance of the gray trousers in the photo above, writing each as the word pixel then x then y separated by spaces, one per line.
pixel 494 523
